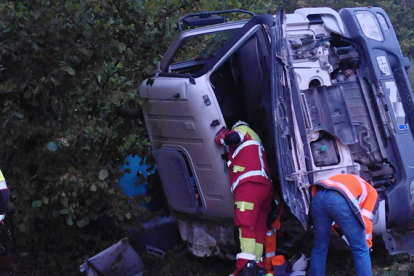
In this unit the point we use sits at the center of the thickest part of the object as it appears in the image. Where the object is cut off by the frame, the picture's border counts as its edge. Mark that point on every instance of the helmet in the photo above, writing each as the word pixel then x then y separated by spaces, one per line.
pixel 239 123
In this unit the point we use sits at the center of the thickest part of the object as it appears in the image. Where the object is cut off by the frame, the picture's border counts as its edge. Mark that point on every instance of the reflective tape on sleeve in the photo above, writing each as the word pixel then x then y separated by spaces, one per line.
pixel 245 144
pixel 363 188
pixel 367 214
pixel 368 236
pixel 270 254
pixel 237 169
pixel 243 205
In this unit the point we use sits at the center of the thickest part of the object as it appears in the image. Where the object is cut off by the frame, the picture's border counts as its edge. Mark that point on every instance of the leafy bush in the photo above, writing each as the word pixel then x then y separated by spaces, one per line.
pixel 65 67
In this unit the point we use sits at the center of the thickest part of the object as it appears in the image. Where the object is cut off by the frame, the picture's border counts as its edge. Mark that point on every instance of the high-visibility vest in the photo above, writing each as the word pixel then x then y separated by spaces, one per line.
pixel 247 161
pixel 4 197
pixel 361 196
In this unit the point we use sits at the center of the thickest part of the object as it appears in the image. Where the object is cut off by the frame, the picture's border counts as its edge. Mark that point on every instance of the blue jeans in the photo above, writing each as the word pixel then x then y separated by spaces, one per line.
pixel 328 206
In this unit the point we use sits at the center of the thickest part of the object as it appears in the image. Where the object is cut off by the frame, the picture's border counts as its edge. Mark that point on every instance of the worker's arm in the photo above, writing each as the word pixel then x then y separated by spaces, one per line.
pixel 367 212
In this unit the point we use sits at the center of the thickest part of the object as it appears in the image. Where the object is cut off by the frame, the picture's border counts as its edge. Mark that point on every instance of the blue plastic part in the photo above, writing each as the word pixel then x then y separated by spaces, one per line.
pixel 127 182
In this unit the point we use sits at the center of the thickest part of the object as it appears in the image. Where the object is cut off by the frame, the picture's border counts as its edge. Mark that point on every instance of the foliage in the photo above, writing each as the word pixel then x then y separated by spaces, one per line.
pixel 65 66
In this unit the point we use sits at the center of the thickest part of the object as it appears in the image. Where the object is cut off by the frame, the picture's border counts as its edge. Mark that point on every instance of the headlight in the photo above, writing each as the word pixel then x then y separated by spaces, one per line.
pixel 369 25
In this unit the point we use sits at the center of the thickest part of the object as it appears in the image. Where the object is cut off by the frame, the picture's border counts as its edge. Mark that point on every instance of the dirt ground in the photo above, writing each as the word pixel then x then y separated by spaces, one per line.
pixel 179 262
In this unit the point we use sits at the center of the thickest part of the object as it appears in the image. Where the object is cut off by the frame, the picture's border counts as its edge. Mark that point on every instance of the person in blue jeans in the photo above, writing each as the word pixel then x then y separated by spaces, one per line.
pixel 350 202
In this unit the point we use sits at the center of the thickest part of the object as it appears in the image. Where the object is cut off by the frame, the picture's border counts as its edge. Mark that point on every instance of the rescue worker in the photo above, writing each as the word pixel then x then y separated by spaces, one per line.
pixel 253 191
pixel 273 225
pixel 4 197
pixel 350 202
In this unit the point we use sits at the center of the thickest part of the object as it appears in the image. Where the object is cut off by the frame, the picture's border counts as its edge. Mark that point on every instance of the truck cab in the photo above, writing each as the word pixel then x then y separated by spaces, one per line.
pixel 326 91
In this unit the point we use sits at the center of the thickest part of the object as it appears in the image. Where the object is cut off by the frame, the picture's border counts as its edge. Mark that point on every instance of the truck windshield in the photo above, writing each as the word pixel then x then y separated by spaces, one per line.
pixel 203 46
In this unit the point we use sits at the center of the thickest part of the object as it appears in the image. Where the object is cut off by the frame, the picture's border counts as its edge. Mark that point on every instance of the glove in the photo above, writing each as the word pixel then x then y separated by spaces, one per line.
pixel 219 138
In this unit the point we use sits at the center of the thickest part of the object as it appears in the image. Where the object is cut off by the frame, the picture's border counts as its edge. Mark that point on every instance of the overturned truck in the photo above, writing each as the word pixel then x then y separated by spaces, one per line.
pixel 326 91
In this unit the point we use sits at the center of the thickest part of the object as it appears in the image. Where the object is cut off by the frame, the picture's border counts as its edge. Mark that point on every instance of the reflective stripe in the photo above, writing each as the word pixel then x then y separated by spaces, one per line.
pixel 245 144
pixel 228 163
pixel 237 169
pixel 270 232
pixel 2 217
pixel 270 254
pixel 368 236
pixel 3 185
pixel 243 205
pixel 261 160
pixel 346 190
pixel 363 187
pixel 1 176
pixel 367 214
pixel 245 175
pixel 246 256
pixel 241 136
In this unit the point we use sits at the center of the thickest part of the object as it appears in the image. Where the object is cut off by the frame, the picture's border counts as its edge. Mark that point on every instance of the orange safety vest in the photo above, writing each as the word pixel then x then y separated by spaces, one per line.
pixel 247 161
pixel 361 196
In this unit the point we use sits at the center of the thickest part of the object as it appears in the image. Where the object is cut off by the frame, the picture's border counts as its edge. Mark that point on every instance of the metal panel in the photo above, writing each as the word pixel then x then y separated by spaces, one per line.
pixel 186 124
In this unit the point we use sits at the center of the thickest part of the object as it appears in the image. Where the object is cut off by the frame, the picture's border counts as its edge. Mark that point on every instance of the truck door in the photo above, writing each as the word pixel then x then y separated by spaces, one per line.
pixel 182 118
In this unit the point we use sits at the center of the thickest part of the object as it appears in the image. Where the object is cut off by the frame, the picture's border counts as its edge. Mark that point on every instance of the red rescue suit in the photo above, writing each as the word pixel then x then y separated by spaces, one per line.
pixel 361 196
pixel 252 188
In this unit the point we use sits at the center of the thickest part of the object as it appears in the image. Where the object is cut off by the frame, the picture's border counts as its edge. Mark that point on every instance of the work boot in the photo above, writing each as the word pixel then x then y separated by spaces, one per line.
pixel 250 269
